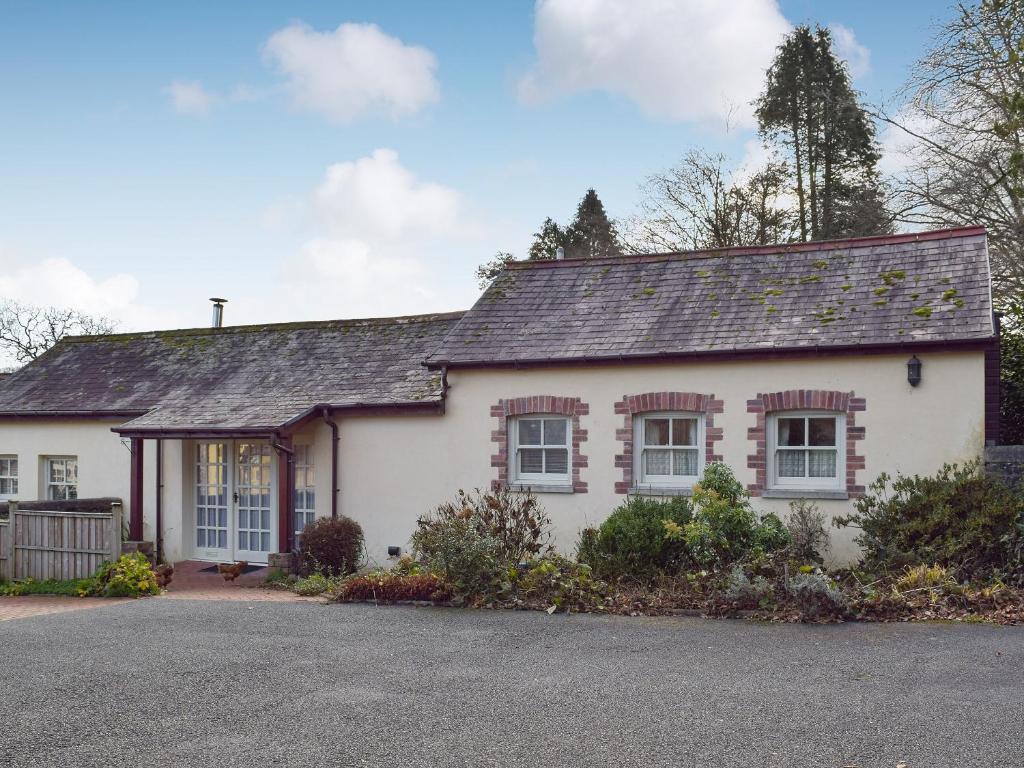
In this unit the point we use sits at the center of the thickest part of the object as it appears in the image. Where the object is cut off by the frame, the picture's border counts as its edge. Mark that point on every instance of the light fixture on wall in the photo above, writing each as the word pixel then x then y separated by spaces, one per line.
pixel 914 371
pixel 394 551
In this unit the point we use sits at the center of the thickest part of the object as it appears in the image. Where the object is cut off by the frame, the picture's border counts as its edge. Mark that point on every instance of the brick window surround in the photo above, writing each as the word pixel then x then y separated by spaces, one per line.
pixel 805 400
pixel 503 410
pixel 651 402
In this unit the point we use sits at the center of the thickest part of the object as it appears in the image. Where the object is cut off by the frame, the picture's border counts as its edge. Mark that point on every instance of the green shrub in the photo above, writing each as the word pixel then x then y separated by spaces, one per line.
pixel 476 541
pixel 390 586
pixel 632 541
pixel 724 529
pixel 69 587
pixel 456 549
pixel 130 576
pixel 746 592
pixel 816 596
pixel 809 539
pixel 958 518
pixel 561 584
pixel 314 584
pixel 332 546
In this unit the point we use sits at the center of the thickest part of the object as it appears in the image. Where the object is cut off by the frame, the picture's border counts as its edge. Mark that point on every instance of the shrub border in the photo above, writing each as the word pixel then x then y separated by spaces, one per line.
pixel 694 402
pixel 805 399
pixel 573 407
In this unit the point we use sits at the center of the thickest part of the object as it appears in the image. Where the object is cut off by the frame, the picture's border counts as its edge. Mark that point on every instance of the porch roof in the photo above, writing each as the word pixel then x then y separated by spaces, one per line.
pixel 242 378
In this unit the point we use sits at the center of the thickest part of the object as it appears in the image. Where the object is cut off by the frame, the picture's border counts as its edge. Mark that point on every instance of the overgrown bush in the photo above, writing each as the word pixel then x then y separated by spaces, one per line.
pixel 808 538
pixel 390 587
pixel 332 546
pixel 561 584
pixel 130 576
pixel 816 596
pixel 958 518
pixel 724 529
pixel 746 592
pixel 632 541
pixel 476 541
pixel 314 584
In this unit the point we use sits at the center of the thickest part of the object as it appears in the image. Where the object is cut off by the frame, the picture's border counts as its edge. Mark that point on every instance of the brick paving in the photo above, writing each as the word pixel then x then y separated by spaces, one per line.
pixel 27 606
pixel 191 582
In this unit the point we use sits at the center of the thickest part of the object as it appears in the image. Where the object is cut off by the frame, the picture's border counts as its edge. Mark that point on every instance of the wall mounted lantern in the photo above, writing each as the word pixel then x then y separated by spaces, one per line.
pixel 914 371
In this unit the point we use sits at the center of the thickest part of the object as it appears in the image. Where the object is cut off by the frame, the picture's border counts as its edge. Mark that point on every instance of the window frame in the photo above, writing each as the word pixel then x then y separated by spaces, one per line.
pixel 49 485
pixel 666 482
pixel 305 451
pixel 534 479
pixel 838 483
pixel 5 474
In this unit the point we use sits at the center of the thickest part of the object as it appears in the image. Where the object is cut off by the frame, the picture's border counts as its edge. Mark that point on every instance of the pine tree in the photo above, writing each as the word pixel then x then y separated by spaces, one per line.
pixel 591 234
pixel 811 111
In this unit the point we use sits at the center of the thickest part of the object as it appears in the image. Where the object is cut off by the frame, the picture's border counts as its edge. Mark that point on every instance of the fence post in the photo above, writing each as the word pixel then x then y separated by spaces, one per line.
pixel 12 511
pixel 115 533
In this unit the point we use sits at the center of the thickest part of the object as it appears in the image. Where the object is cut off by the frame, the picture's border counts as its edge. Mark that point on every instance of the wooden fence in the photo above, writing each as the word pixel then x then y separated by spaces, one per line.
pixel 57 544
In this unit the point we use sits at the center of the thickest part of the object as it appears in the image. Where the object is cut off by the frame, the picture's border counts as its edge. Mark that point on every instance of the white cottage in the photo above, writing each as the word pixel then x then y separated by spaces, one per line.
pixel 809 369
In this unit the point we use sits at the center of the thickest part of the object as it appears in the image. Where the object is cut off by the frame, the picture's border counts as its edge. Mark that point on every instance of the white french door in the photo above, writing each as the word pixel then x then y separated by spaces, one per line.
pixel 234 501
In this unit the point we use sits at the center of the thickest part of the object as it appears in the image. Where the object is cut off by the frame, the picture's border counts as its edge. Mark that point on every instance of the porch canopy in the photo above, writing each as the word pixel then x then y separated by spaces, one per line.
pixel 255 382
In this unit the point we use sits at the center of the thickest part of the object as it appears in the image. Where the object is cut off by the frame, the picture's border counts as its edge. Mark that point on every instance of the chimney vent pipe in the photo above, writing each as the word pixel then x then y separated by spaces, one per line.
pixel 560 253
pixel 218 312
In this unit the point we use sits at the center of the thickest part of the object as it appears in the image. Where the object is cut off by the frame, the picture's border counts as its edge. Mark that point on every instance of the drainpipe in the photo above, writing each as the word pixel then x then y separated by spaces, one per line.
pixel 159 499
pixel 334 459
pixel 444 388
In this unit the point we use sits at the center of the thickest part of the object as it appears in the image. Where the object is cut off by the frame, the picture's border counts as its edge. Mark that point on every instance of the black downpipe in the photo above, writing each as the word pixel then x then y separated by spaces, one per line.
pixel 334 460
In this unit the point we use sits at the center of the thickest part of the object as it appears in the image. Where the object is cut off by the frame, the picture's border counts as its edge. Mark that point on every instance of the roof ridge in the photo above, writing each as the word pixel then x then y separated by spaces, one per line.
pixel 253 327
pixel 753 250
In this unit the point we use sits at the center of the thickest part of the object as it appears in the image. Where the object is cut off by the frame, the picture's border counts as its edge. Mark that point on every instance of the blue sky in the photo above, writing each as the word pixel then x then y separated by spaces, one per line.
pixel 154 155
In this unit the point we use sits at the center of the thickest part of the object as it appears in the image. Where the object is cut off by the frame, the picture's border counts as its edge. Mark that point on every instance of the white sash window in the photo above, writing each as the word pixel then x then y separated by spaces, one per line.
pixel 539 452
pixel 668 449
pixel 807 450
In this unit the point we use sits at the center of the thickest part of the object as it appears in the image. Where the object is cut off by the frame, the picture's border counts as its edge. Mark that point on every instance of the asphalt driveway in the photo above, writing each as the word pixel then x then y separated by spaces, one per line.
pixel 197 683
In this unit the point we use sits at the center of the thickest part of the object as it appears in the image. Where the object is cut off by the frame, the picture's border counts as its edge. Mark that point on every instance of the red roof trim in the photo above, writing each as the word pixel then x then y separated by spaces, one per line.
pixel 758 250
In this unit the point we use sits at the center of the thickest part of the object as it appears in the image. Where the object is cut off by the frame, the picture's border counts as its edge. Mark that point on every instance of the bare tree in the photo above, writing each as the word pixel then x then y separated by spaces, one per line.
pixel 696 204
pixel 26 330
pixel 964 117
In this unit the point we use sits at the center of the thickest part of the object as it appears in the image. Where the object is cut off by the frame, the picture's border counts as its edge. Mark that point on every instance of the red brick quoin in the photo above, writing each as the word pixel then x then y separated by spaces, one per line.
pixel 691 402
pixel 572 407
pixel 806 400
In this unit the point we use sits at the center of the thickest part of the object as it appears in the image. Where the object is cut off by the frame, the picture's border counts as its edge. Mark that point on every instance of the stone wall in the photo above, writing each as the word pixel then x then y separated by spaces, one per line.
pixel 1007 462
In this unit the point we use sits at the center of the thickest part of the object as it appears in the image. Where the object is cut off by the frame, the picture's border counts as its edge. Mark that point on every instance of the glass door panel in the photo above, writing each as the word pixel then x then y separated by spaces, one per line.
pixel 213 525
pixel 253 485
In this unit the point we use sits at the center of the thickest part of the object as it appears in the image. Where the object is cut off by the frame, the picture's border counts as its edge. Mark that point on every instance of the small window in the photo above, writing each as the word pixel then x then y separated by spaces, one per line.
pixel 540 450
pixel 61 478
pixel 668 449
pixel 807 451
pixel 8 477
pixel 305 488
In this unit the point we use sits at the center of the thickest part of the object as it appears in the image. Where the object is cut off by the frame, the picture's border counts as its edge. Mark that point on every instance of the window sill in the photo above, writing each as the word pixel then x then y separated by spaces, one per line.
pixel 541 488
pixel 802 493
pixel 653 490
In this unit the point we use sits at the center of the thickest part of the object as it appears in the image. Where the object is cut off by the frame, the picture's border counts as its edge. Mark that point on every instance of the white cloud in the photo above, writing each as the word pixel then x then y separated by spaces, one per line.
pixel 377 197
pixel 353 70
pixel 58 282
pixel 381 243
pixel 696 60
pixel 192 98
pixel 899 147
pixel 848 48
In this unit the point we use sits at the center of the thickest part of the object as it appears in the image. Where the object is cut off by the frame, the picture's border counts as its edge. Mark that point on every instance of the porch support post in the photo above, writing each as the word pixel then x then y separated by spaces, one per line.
pixel 135 495
pixel 285 494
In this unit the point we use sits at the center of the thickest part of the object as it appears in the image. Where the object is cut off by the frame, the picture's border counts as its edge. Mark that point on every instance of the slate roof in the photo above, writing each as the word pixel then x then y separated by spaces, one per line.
pixel 921 288
pixel 242 377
